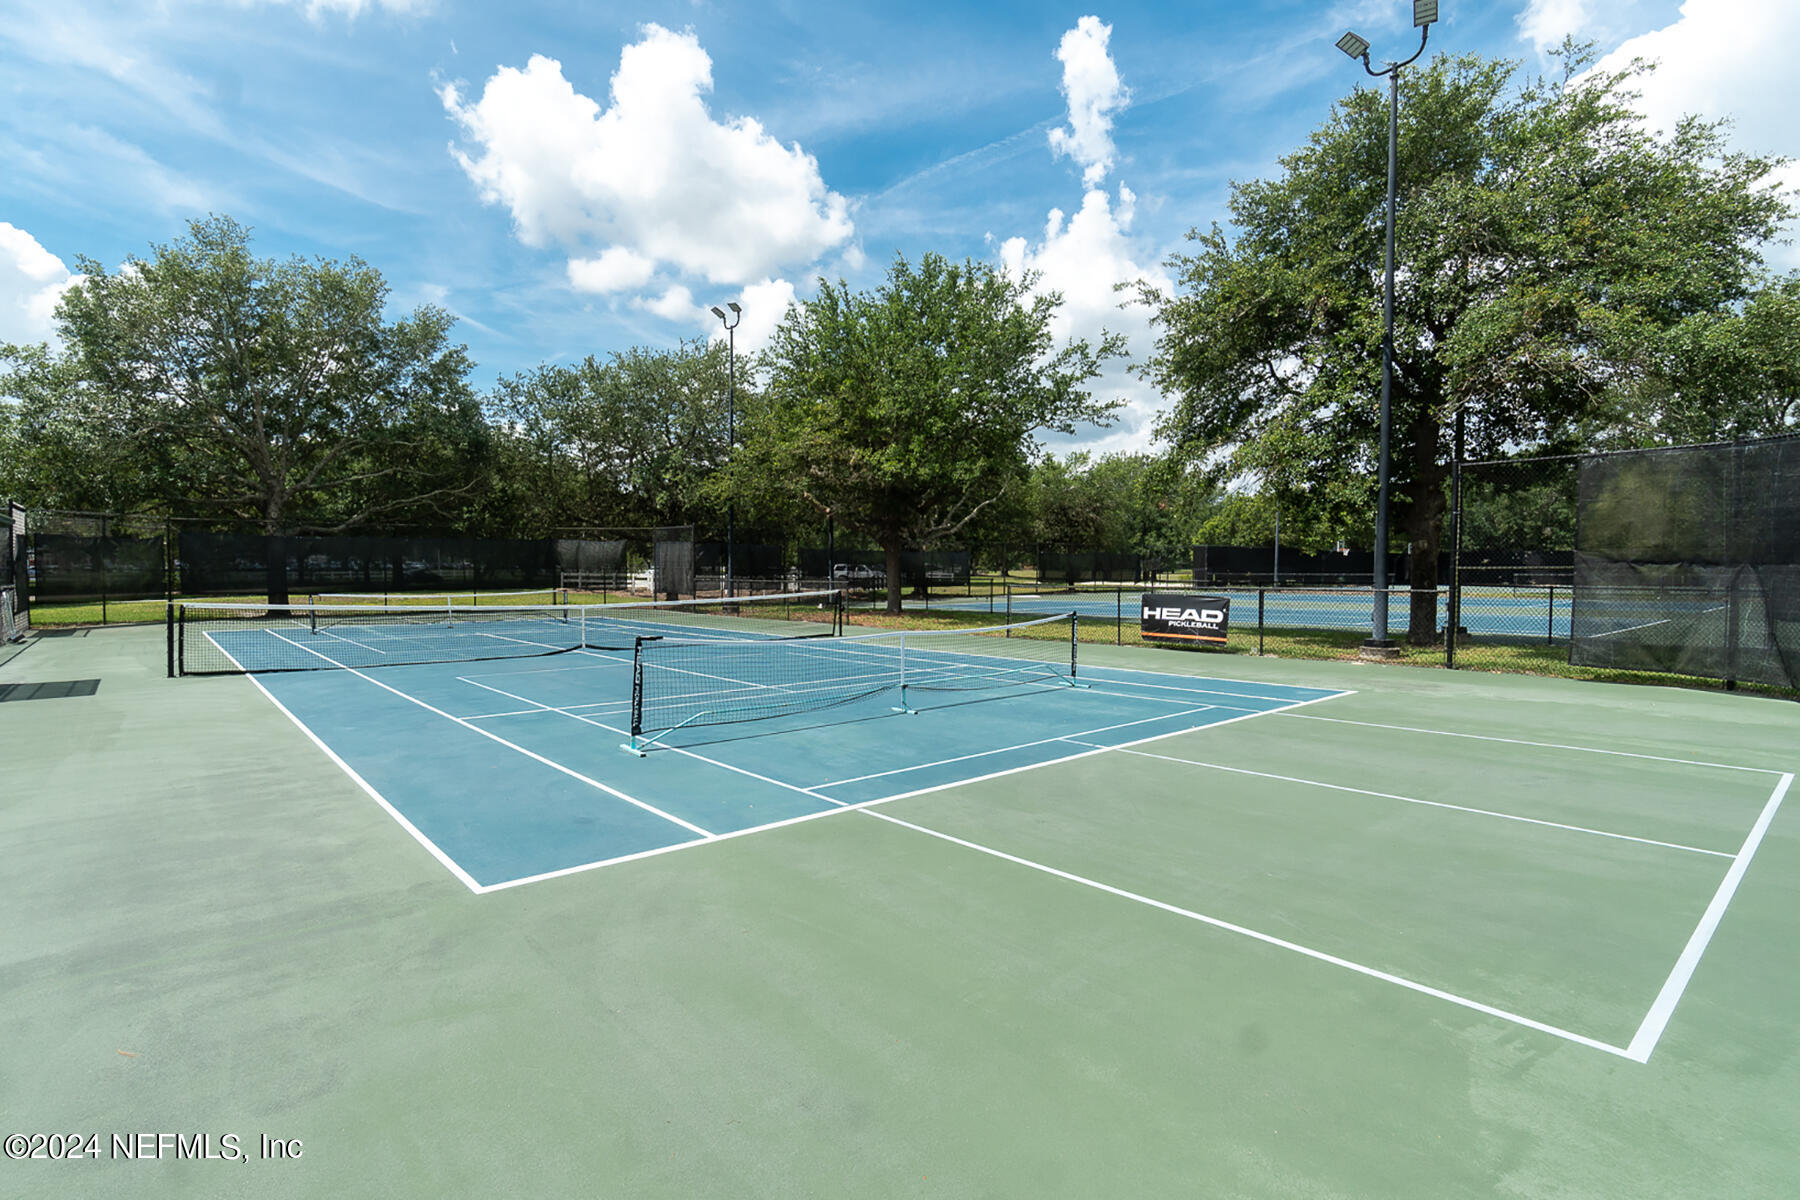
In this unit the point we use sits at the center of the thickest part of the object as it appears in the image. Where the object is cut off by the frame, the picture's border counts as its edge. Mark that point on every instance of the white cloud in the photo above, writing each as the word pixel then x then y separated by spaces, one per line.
pixel 354 8
pixel 675 304
pixel 764 305
pixel 32 280
pixel 1091 83
pixel 1726 58
pixel 654 174
pixel 1545 23
pixel 1084 258
pixel 615 270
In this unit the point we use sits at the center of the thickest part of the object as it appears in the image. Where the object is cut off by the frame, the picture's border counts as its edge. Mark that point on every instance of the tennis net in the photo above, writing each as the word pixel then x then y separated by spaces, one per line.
pixel 534 596
pixel 223 639
pixel 682 682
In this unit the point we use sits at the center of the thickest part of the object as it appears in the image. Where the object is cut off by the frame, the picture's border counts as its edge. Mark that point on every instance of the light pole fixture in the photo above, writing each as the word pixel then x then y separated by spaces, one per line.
pixel 1424 13
pixel 731 324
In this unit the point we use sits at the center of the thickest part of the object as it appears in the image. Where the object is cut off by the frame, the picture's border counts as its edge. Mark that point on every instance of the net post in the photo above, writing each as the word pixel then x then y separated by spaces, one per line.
pixel 181 638
pixel 312 615
pixel 1074 642
pixel 637 691
pixel 169 635
pixel 902 707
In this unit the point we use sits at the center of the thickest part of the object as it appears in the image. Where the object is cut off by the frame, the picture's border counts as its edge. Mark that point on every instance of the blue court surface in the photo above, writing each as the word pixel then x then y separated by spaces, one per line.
pixel 1526 613
pixel 512 771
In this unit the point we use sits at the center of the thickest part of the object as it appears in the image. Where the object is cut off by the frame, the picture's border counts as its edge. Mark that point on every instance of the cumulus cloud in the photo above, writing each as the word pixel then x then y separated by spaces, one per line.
pixel 616 269
pixel 1091 84
pixel 652 175
pixel 32 280
pixel 1710 67
pixel 1545 23
pixel 675 304
pixel 1084 258
pixel 764 305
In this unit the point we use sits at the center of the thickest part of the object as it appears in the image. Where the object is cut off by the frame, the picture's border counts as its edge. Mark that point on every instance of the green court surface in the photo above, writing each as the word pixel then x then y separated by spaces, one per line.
pixel 1392 933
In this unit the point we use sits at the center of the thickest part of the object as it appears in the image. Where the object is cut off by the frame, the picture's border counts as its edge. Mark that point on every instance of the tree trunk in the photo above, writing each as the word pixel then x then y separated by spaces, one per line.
pixel 890 545
pixel 275 553
pixel 1425 529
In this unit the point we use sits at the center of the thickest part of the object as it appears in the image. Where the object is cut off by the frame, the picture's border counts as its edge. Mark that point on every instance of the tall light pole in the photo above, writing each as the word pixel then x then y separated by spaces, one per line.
pixel 731 324
pixel 1424 13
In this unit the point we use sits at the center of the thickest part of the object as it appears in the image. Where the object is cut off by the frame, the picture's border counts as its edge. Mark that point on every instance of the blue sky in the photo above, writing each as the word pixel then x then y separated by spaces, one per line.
pixel 578 178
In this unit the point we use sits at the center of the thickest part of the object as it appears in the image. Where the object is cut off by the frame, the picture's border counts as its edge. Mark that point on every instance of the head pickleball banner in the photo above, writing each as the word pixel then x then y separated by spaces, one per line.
pixel 1184 620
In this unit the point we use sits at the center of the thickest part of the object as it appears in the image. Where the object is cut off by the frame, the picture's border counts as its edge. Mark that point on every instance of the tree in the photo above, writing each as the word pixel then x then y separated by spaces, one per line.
pixel 907 412
pixel 264 390
pixel 1552 253
pixel 632 440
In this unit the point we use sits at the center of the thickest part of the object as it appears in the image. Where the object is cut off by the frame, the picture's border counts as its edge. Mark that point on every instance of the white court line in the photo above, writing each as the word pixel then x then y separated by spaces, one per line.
pixel 1192 691
pixel 548 762
pixel 1267 939
pixel 1660 621
pixel 1643 1043
pixel 418 836
pixel 589 720
pixel 1066 737
pixel 863 804
pixel 1483 812
pixel 1480 737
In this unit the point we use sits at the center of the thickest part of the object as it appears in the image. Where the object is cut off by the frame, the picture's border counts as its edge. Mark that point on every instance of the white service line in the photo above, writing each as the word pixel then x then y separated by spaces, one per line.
pixel 1483 812
pixel 1267 939
pixel 1643 1043
pixel 589 720
pixel 1066 737
pixel 418 836
pixel 548 762
pixel 1481 737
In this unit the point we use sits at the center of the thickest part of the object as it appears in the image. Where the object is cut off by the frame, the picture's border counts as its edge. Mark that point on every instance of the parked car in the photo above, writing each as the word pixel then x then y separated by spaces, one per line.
pixel 857 573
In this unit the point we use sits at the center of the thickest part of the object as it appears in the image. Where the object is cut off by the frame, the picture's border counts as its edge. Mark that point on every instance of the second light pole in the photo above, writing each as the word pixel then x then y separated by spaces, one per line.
pixel 731 324
pixel 1424 13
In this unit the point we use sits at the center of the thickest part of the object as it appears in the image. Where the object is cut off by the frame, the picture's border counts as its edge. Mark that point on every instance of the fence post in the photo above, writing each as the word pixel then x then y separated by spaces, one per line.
pixel 1119 619
pixel 1550 629
pixel 1455 615
pixel 100 550
pixel 1260 594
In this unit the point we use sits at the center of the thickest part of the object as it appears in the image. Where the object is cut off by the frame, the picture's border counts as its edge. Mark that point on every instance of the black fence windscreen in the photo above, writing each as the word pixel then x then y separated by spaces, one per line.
pixel 233 563
pixel 674 564
pixel 1687 560
pixel 868 568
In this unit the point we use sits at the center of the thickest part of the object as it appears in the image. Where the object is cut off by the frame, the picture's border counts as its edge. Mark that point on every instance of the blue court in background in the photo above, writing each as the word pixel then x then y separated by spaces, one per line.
pixel 513 770
pixel 1530 613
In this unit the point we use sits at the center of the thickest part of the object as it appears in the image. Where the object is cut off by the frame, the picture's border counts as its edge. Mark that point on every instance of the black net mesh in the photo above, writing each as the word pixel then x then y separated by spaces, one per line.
pixel 1688 561
pixel 243 563
pixel 674 564
pixel 88 556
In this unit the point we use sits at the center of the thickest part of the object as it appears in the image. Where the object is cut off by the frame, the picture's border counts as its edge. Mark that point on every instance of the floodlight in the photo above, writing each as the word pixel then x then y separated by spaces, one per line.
pixel 732 305
pixel 718 312
pixel 1353 45
pixel 1424 12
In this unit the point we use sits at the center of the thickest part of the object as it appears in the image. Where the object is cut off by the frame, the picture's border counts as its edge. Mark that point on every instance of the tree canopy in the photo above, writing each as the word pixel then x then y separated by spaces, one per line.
pixel 1557 262
pixel 908 411
pixel 206 381
pixel 631 440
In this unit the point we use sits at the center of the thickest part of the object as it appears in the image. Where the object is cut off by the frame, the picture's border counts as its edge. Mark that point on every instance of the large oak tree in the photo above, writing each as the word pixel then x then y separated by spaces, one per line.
pixel 1555 258
pixel 907 412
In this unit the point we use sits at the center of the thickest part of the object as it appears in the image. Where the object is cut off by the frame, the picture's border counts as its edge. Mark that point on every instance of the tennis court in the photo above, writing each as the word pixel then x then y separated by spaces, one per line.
pixel 1520 612
pixel 1282 928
